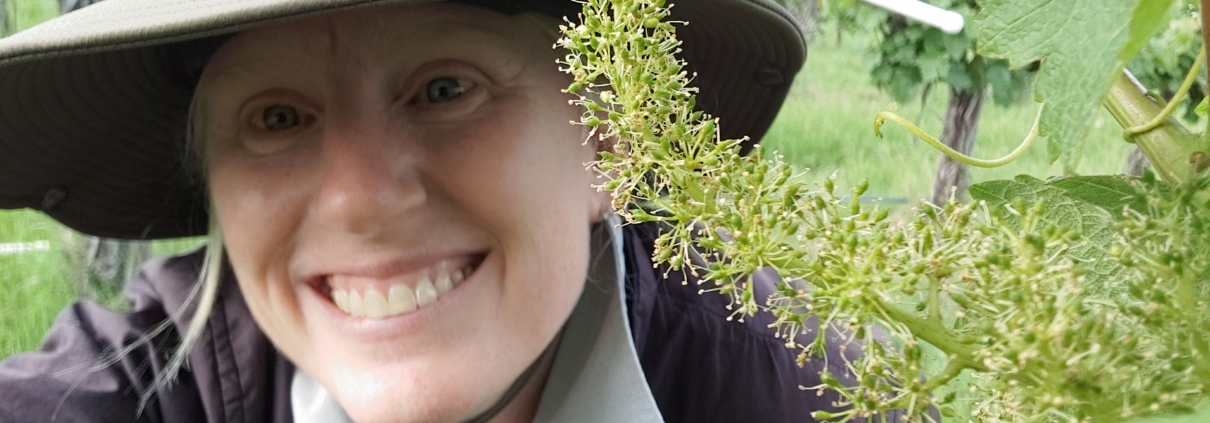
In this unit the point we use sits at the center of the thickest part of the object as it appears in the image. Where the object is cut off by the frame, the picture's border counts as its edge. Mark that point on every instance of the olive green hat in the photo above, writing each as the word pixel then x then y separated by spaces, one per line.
pixel 94 103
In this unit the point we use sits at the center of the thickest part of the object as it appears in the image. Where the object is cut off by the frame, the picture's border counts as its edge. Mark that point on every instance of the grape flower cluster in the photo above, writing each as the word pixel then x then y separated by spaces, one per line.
pixel 983 297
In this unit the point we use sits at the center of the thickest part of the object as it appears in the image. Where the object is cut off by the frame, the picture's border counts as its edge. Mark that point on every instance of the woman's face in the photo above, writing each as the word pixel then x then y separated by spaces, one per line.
pixel 403 200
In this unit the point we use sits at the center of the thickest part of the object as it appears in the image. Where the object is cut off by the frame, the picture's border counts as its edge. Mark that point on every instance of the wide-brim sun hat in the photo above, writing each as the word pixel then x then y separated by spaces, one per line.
pixel 94 103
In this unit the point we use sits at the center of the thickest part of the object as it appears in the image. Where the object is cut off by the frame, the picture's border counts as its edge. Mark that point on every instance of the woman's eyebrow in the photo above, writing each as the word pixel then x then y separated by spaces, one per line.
pixel 478 34
pixel 495 51
pixel 493 45
pixel 242 64
pixel 237 71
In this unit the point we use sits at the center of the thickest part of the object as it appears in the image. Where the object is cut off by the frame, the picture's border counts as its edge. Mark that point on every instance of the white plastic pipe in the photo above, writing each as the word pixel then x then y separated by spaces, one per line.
pixel 22 247
pixel 945 20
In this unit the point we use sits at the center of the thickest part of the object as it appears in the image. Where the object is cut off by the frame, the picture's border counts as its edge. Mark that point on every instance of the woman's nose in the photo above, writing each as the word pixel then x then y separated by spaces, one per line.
pixel 371 179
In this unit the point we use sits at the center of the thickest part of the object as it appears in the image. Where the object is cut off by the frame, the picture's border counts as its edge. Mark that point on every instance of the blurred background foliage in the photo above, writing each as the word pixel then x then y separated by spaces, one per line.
pixel 907 60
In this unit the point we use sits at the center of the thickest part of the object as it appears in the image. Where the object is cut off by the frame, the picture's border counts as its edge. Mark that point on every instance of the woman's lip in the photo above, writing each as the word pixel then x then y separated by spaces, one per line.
pixel 379 268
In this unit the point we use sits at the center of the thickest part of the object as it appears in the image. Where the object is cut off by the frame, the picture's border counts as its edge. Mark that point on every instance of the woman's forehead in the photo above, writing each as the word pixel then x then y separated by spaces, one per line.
pixel 393 31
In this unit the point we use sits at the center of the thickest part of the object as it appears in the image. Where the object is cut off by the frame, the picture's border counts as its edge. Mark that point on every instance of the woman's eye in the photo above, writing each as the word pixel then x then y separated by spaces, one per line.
pixel 443 89
pixel 280 118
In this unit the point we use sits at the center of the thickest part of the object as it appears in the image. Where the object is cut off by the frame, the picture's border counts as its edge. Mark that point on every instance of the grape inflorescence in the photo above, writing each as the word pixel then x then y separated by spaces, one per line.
pixel 999 293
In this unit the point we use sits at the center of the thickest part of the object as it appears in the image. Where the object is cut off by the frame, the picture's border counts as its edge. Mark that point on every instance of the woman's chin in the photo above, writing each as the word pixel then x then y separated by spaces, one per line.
pixel 378 395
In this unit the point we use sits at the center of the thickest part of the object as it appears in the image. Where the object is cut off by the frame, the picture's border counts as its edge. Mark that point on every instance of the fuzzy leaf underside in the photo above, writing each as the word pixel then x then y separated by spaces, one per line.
pixel 1080 203
pixel 1108 192
pixel 1081 44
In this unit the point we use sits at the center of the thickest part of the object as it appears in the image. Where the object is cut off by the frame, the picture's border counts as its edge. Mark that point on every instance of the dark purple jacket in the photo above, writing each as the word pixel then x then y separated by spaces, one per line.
pixel 700 367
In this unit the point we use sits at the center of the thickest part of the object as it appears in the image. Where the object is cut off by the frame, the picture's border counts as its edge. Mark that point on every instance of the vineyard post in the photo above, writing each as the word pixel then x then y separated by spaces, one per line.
pixel 1205 20
pixel 1205 37
pixel 962 113
pixel 1205 139
pixel 1205 133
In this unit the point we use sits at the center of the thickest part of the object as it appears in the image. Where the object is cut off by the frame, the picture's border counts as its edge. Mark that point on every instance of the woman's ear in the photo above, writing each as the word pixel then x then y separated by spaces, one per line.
pixel 601 201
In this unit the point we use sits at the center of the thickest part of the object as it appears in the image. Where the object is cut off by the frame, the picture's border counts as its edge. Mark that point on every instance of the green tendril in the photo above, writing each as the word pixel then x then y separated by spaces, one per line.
pixel 954 154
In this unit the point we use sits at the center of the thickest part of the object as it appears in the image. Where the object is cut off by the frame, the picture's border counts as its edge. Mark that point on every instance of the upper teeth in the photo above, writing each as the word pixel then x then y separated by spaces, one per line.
pixel 399 298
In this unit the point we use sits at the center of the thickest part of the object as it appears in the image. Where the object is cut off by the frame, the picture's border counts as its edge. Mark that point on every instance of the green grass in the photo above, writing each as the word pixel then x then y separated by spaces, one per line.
pixel 32 290
pixel 826 125
pixel 27 13
pixel 33 285
pixel 36 285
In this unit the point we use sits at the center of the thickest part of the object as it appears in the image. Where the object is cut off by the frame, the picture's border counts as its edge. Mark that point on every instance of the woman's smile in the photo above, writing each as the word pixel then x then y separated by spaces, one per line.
pixel 385 301
pixel 378 286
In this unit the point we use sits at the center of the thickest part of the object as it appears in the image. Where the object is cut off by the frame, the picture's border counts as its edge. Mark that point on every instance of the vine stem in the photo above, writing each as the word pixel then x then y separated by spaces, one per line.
pixel 953 368
pixel 1190 78
pixel 935 334
pixel 934 301
pixel 954 154
pixel 1169 146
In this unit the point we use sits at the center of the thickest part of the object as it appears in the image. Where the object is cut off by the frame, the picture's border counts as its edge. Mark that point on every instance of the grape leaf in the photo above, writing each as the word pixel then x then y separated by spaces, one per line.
pixel 1080 44
pixel 1108 192
pixel 1068 207
pixel 932 67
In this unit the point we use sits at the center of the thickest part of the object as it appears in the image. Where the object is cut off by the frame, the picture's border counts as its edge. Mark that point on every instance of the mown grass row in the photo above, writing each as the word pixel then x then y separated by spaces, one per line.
pixel 33 285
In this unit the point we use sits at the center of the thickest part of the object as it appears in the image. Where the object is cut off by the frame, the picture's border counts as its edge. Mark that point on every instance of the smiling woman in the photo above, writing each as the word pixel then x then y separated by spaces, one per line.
pixel 402 226
pixel 340 168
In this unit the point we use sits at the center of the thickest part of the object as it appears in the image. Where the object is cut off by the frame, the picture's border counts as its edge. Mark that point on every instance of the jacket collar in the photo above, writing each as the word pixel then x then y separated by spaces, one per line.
pixel 596 376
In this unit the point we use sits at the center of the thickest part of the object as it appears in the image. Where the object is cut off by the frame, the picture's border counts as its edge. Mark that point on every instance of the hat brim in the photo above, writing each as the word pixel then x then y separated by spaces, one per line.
pixel 94 104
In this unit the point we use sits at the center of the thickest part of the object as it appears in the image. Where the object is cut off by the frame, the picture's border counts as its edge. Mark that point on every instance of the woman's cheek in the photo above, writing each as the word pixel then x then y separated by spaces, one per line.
pixel 258 214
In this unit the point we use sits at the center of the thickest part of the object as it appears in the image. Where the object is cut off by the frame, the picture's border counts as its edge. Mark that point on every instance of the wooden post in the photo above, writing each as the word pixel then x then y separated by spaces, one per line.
pixel 1205 24
pixel 1137 163
pixel 101 265
pixel 961 124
